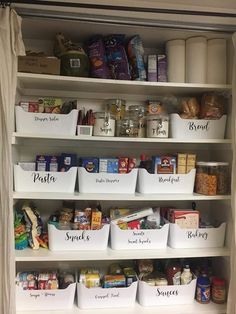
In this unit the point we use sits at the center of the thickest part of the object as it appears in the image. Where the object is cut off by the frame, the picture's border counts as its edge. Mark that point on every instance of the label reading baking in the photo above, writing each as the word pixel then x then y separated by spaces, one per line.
pixel 46 119
pixel 167 293
pixel 45 179
pixel 139 238
pixel 170 179
pixel 77 238
pixel 196 126
pixel 106 180
pixel 42 294
pixel 108 295
pixel 197 235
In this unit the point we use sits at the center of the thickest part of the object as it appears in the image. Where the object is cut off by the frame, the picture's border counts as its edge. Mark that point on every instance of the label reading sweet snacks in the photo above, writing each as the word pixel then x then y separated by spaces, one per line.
pixel 139 238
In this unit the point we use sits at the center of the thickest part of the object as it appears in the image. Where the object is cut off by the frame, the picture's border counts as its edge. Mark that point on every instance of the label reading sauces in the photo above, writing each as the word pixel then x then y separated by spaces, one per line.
pixel 167 293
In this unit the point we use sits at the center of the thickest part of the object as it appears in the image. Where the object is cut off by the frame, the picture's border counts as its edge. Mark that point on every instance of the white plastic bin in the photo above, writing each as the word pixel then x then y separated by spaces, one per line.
pixel 44 181
pixel 75 240
pixel 196 238
pixel 90 298
pixel 138 239
pixel 166 295
pixel 107 182
pixel 45 300
pixel 165 183
pixel 197 128
pixel 46 123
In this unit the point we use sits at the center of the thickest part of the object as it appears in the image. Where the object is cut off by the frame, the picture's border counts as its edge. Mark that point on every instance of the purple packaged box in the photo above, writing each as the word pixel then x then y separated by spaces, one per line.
pixel 90 164
pixel 152 68
pixel 162 68
pixel 46 163
pixel 67 161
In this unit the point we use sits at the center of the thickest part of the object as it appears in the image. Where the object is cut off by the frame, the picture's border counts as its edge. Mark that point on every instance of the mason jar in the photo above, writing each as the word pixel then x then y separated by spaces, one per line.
pixel 104 124
pixel 116 107
pixel 158 125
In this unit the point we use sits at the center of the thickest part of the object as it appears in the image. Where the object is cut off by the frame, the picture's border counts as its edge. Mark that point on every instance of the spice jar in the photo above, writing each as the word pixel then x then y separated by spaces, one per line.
pixel 218 290
pixel 116 107
pixel 212 178
pixel 104 124
pixel 157 125
pixel 203 290
pixel 137 114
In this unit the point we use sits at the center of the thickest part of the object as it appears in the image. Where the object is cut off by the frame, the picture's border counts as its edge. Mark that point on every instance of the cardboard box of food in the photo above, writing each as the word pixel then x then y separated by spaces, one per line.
pixel 41 65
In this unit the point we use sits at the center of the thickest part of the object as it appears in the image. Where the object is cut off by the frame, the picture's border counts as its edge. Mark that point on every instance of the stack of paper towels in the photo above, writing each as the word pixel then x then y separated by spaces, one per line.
pixel 197 60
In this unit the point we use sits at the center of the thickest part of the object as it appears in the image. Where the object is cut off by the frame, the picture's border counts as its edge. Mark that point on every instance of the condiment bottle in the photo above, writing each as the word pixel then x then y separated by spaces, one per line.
pixel 218 290
pixel 203 291
pixel 186 276
pixel 173 273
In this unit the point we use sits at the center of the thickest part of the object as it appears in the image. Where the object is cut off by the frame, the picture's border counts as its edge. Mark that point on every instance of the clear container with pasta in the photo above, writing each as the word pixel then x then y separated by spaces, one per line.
pixel 212 178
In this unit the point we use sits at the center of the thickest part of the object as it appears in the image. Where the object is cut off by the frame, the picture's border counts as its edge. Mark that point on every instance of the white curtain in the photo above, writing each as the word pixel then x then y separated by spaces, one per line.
pixel 11 45
pixel 231 309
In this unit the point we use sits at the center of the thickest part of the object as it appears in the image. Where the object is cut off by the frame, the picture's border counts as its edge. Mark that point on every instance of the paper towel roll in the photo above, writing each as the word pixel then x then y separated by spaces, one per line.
pixel 196 60
pixel 216 61
pixel 175 50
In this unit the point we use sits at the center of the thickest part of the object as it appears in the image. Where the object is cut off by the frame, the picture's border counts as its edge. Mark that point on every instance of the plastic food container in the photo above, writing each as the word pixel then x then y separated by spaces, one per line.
pixel 127 127
pixel 157 126
pixel 212 178
pixel 137 113
pixel 104 124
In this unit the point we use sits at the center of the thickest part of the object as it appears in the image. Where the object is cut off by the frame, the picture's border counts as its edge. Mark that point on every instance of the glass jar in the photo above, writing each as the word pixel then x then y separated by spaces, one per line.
pixel 218 290
pixel 137 113
pixel 212 178
pixel 104 124
pixel 157 125
pixel 116 107
pixel 127 127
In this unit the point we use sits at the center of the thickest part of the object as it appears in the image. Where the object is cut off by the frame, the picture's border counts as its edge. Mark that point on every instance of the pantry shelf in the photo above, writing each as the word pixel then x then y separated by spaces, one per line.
pixel 117 197
pixel 52 85
pixel 20 138
pixel 109 254
pixel 194 308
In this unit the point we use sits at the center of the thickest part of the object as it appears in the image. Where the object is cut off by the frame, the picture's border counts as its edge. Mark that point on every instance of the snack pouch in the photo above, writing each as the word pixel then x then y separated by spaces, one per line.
pixel 117 58
pixel 136 54
pixel 97 57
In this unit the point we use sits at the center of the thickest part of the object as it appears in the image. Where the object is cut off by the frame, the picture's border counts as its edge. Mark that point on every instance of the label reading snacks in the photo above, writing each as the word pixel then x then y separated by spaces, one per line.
pixel 139 237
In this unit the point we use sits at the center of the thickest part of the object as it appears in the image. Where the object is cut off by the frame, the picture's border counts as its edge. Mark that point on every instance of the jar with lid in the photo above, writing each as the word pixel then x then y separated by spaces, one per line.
pixel 158 125
pixel 137 114
pixel 116 107
pixel 218 290
pixel 203 290
pixel 127 127
pixel 212 178
pixel 104 124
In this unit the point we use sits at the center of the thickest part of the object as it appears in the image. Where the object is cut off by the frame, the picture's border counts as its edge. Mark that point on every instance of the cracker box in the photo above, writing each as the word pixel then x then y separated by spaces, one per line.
pixel 185 219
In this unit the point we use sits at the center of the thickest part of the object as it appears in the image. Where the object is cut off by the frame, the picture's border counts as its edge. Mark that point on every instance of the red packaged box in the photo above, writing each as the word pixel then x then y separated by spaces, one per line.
pixel 131 164
pixel 135 224
pixel 123 164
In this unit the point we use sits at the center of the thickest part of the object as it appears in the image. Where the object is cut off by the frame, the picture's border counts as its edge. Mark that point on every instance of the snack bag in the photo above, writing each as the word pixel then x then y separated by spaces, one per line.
pixel 136 53
pixel 21 239
pixel 97 57
pixel 116 57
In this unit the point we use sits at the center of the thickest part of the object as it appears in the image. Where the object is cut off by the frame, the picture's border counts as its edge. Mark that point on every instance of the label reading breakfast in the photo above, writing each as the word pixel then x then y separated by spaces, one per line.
pixel 47 178
pixel 41 294
pixel 112 181
pixel 46 119
pixel 170 179
pixel 167 293
pixel 109 295
pixel 197 235
pixel 76 238
pixel 195 126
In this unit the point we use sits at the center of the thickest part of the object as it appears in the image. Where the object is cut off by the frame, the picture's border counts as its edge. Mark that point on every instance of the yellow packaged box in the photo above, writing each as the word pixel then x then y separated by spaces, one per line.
pixel 41 65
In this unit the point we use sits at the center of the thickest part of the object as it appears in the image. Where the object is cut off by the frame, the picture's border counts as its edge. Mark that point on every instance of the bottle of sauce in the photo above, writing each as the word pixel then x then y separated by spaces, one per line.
pixel 203 291
pixel 218 290
pixel 186 276
pixel 173 273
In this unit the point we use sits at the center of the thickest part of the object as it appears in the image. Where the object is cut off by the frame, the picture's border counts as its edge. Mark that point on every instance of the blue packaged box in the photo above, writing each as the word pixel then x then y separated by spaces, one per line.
pixel 90 164
pixel 67 161
pixel 108 165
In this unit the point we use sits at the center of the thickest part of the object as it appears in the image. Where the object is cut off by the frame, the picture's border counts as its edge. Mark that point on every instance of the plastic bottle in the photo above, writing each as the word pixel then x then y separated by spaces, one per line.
pixel 186 276
pixel 203 291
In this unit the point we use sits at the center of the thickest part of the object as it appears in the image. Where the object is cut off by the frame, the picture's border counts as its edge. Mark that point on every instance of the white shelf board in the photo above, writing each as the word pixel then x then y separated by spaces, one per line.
pixel 109 254
pixel 117 197
pixel 35 84
pixel 194 308
pixel 17 138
